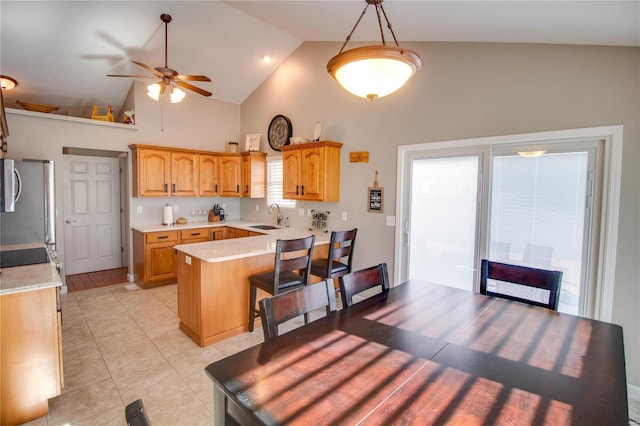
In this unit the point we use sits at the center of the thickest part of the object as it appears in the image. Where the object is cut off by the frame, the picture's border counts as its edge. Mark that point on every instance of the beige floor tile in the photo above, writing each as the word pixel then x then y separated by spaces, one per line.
pixel 135 368
pixel 82 405
pixel 173 341
pixel 161 387
pixel 84 371
pixel 180 412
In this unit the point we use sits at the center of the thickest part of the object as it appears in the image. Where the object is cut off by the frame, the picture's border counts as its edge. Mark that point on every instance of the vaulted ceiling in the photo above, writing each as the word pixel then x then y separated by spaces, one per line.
pixel 61 51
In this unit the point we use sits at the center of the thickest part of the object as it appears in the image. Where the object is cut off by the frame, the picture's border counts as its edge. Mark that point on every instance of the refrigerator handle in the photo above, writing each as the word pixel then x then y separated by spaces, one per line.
pixel 18 185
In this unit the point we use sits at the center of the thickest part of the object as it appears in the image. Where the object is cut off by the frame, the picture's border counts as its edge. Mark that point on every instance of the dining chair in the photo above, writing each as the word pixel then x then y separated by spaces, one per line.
pixel 364 279
pixel 341 245
pixel 283 307
pixel 539 287
pixel 292 269
pixel 136 414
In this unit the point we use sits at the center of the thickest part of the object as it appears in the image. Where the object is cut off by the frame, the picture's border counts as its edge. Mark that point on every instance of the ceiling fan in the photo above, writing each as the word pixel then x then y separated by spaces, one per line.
pixel 169 78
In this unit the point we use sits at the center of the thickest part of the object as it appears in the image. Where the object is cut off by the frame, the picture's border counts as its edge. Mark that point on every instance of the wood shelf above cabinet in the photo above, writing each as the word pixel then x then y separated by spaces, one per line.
pixel 176 172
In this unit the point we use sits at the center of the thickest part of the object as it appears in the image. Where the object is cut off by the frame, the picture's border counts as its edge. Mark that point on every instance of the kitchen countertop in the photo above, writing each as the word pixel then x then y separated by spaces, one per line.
pixel 237 248
pixel 242 224
pixel 19 279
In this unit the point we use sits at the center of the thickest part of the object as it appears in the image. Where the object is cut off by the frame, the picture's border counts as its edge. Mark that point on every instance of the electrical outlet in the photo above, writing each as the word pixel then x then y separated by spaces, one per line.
pixel 344 216
pixel 391 221
pixel 187 260
pixel 300 212
pixel 139 209
pixel 175 208
pixel 309 212
pixel 257 207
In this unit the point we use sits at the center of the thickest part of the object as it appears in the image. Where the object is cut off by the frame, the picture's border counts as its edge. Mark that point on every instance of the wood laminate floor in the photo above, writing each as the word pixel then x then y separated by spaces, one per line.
pixel 96 279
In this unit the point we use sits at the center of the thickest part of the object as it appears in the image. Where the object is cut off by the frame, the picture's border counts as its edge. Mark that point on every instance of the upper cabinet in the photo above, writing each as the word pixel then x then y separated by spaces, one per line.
pixel 209 175
pixel 165 172
pixel 151 172
pixel 254 174
pixel 311 171
pixel 184 174
pixel 230 174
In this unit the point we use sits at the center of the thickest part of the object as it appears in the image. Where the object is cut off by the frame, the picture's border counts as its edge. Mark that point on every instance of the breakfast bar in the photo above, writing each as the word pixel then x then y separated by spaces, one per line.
pixel 213 283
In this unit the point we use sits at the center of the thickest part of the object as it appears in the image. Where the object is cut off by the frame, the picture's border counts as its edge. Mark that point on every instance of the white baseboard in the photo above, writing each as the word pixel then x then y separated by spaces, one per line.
pixel 633 392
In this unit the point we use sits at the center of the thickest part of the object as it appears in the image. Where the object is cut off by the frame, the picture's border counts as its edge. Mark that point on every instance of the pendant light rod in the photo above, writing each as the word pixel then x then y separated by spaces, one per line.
pixel 166 18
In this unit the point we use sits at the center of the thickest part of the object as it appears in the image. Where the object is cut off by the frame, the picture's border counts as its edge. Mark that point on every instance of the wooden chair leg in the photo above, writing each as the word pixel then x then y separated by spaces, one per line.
pixel 252 306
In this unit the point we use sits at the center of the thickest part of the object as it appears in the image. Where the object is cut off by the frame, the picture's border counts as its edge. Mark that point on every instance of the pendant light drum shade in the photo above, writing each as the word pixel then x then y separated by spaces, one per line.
pixel 374 71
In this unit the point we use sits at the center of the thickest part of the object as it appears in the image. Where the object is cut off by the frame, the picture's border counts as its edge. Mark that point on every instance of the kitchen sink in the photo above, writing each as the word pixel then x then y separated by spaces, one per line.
pixel 264 227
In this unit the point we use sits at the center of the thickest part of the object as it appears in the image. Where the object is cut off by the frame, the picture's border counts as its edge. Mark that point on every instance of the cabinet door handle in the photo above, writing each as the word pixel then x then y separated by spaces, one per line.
pixel 247 189
pixel 162 237
pixel 216 190
pixel 195 234
pixel 238 188
pixel 302 189
pixel 174 187
pixel 166 187
pixel 297 189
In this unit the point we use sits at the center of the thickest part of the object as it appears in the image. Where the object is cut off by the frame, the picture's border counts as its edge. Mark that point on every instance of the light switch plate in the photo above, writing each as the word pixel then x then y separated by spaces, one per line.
pixel 391 221
pixel 344 216
pixel 300 212
pixel 139 209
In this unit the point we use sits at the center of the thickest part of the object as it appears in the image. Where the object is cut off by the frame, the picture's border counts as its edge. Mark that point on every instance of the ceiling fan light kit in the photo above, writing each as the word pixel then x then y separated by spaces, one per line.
pixel 374 71
pixel 169 78
pixel 7 83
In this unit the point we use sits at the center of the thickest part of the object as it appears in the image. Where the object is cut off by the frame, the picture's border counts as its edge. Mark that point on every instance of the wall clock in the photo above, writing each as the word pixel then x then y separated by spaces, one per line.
pixel 280 130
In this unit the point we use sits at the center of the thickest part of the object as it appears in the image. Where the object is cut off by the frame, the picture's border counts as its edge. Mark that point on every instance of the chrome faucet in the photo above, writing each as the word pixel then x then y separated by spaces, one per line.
pixel 278 216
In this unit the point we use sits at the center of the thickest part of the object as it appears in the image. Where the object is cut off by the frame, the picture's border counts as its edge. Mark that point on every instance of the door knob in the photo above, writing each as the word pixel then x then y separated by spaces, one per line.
pixel 70 221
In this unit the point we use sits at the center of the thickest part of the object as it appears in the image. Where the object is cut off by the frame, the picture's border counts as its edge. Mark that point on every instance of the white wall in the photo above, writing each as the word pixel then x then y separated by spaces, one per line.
pixel 464 90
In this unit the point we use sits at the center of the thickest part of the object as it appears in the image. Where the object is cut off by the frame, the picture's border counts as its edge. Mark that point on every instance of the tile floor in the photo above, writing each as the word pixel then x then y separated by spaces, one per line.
pixel 122 343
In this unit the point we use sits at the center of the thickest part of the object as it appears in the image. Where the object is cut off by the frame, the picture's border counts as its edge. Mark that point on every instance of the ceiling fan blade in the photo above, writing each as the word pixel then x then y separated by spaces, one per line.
pixel 147 67
pixel 193 77
pixel 133 76
pixel 192 88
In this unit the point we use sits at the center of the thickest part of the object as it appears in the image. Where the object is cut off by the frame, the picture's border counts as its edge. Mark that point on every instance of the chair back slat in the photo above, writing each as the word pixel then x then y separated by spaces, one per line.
pixel 364 279
pixel 285 306
pixel 341 245
pixel 293 255
pixel 543 279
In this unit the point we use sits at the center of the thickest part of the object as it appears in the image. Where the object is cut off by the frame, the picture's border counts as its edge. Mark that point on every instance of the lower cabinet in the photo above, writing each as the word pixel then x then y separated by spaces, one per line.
pixel 154 257
pixel 31 353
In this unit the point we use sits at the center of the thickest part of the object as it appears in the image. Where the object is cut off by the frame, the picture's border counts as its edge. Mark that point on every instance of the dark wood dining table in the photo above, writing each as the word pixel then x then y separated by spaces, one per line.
pixel 425 353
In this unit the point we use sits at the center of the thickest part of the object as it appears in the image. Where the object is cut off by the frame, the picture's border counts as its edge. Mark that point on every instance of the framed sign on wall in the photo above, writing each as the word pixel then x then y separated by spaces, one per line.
pixel 375 199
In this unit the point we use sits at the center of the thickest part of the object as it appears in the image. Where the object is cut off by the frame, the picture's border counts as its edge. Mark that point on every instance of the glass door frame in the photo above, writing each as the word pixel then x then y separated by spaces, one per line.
pixel 609 205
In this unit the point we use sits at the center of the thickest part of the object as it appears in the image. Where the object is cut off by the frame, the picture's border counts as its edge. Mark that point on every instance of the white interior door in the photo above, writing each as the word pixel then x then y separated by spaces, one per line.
pixel 92 214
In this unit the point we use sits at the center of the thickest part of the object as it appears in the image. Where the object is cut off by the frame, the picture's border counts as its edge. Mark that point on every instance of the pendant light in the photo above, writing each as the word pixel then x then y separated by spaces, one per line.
pixel 374 71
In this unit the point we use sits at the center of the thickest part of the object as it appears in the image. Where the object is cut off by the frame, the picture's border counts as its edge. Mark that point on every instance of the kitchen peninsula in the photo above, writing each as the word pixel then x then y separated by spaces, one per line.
pixel 213 283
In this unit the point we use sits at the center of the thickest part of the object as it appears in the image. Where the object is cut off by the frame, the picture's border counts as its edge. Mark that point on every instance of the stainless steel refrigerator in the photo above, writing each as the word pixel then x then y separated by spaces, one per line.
pixel 33 218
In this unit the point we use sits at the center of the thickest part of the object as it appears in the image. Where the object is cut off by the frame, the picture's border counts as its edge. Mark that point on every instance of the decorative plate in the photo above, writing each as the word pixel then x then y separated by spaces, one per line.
pixel 280 130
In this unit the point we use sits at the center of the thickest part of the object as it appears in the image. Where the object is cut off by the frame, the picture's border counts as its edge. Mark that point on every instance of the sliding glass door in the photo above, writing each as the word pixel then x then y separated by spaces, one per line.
pixel 443 218
pixel 535 208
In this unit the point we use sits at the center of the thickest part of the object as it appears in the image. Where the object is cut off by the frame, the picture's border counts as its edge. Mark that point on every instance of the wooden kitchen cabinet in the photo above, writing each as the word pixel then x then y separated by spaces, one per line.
pixel 209 170
pixel 161 172
pixel 151 172
pixel 230 174
pixel 196 235
pixel 217 233
pixel 31 353
pixel 254 174
pixel 311 171
pixel 184 174
pixel 153 257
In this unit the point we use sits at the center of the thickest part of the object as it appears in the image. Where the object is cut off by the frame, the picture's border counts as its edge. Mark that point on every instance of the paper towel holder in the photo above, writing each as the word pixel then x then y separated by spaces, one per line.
pixel 167 217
